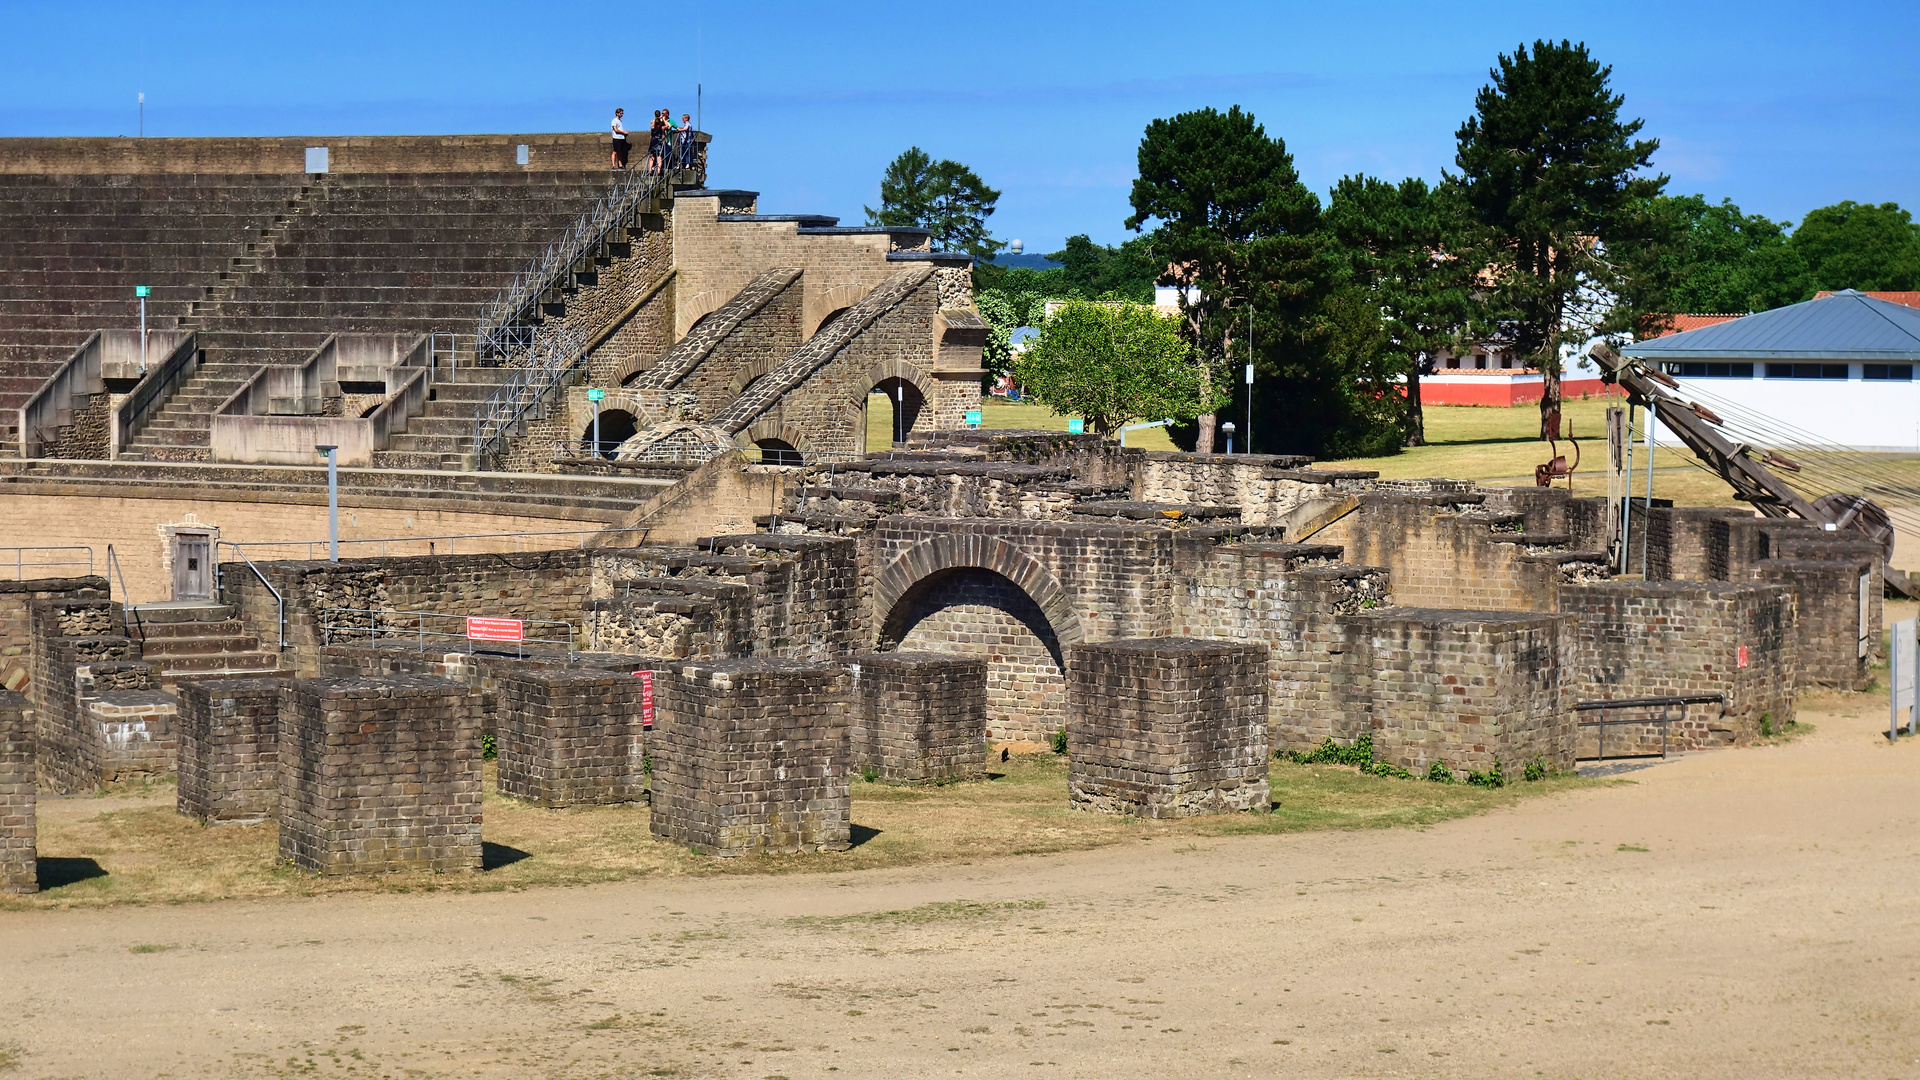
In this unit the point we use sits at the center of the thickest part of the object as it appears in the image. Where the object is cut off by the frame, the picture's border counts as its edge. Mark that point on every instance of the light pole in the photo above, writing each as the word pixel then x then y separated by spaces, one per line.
pixel 333 503
pixel 1227 430
pixel 141 291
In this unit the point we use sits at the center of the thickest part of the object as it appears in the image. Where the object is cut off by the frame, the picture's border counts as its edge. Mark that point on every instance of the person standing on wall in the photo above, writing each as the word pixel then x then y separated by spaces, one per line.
pixel 684 152
pixel 620 143
pixel 657 140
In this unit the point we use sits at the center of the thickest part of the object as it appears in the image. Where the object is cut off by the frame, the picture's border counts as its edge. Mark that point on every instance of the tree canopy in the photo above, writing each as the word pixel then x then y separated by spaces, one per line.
pixel 944 197
pixel 1723 260
pixel 1112 362
pixel 1861 246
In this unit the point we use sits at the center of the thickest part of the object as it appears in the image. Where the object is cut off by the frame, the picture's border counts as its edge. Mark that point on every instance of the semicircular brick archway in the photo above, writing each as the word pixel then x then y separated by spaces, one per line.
pixel 963 551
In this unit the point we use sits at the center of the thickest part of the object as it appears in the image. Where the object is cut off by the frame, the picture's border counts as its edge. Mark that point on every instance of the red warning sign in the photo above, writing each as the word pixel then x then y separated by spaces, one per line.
pixel 646 698
pixel 1743 656
pixel 508 630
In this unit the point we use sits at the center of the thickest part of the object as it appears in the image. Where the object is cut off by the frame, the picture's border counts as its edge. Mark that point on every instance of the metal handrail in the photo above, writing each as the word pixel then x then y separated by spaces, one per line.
pixel 383 541
pixel 378 623
pixel 1665 719
pixel 280 602
pixel 126 594
pixel 549 360
pixel 20 564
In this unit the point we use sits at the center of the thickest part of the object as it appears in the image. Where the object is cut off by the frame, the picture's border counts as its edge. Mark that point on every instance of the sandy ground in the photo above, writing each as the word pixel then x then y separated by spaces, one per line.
pixel 1770 928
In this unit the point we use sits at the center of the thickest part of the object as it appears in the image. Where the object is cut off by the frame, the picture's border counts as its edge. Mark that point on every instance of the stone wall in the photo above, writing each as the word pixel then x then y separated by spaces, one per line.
pixel 1167 727
pixel 1461 688
pixel 228 731
pixel 1266 488
pixel 551 152
pixel 16 621
pixel 19 870
pixel 1830 621
pixel 980 614
pixel 1679 540
pixel 70 635
pixel 751 756
pixel 379 775
pixel 136 731
pixel 1673 639
pixel 919 717
pixel 571 737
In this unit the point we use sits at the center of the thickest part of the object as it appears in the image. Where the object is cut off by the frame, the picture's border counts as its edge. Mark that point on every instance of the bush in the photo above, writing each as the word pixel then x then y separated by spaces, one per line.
pixel 1059 741
pixel 1537 769
pixel 489 750
pixel 1492 778
pixel 1359 755
pixel 1439 773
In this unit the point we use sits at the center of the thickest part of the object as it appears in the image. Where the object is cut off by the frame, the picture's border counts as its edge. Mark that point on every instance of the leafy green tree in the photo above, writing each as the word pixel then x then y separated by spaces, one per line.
pixel 1111 363
pixel 943 197
pixel 996 355
pixel 1236 225
pixel 1555 176
pixel 1098 272
pixel 1403 246
pixel 1725 261
pixel 1852 245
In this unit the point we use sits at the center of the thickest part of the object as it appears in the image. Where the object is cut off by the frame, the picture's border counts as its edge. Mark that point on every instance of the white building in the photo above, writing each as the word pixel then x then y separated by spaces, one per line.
pixel 1839 368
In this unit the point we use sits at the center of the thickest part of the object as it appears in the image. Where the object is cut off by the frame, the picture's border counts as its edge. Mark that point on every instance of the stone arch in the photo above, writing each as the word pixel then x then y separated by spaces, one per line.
pixel 748 373
pixel 773 429
pixel 699 306
pixel 881 377
pixel 962 551
pixel 616 427
pixel 837 299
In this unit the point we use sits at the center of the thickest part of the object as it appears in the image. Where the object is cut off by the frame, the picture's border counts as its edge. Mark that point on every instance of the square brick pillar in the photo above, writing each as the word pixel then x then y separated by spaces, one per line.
pixel 135 731
pixel 19 872
pixel 752 756
pixel 1167 727
pixel 571 737
pixel 1833 613
pixel 379 775
pixel 228 729
pixel 920 716
pixel 1462 688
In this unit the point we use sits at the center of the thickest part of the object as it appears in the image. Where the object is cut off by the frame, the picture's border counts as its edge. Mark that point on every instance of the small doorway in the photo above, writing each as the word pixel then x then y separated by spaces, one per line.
pixel 192 566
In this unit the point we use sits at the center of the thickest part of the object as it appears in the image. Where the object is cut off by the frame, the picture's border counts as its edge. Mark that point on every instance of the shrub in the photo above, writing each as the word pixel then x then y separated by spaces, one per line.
pixel 1059 741
pixel 489 750
pixel 1439 773
pixel 1537 769
pixel 1492 778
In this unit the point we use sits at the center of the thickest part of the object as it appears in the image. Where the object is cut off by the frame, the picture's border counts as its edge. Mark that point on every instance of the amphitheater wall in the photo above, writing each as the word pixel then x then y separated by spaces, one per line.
pixel 549 152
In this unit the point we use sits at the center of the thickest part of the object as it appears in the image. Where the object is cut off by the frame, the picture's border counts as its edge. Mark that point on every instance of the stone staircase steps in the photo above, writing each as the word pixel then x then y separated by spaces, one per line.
pixel 189 640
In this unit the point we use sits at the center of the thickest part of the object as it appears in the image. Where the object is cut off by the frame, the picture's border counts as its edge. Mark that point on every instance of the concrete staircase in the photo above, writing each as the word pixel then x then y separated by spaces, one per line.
pixel 441 437
pixel 198 641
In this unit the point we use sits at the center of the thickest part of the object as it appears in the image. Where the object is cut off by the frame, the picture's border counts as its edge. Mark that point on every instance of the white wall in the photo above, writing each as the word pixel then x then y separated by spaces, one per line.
pixel 1877 415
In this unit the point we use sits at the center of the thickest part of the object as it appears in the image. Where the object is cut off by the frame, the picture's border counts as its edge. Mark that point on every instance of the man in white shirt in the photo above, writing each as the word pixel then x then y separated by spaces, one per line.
pixel 620 145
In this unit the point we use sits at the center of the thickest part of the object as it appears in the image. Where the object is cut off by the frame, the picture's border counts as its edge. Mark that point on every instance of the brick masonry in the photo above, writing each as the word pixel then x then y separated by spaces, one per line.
pixel 379 775
pixel 751 756
pixel 228 731
pixel 19 870
pixel 136 731
pixel 1167 727
pixel 16 622
pixel 79 652
pixel 571 737
pixel 1828 621
pixel 1462 688
pixel 919 717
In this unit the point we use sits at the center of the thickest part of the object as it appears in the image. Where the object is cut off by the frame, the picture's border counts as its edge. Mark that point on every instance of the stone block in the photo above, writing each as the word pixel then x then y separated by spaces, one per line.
pixel 228 730
pixel 1835 604
pixel 134 731
pixel 571 737
pixel 19 870
pixel 920 717
pixel 1167 727
pixel 379 774
pixel 751 756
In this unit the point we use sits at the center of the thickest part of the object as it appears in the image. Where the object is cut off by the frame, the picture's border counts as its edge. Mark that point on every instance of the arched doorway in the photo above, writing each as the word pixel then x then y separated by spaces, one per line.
pixel 893 408
pixel 616 427
pixel 831 316
pixel 972 611
pixel 778 452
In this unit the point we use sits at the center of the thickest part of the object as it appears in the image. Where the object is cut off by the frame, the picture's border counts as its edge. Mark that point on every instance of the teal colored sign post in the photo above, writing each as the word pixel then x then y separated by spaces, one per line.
pixel 973 418
pixel 596 394
pixel 142 290
pixel 1076 426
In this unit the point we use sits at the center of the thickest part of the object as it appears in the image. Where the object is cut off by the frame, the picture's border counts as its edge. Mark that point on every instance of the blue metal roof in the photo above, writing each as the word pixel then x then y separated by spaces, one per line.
pixel 1848 325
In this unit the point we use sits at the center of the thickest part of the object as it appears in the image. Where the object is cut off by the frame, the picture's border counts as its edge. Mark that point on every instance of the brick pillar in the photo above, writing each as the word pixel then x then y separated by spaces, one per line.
pixel 1463 688
pixel 920 716
pixel 19 872
pixel 1167 727
pixel 379 775
pixel 571 737
pixel 751 756
pixel 228 728
pixel 1827 618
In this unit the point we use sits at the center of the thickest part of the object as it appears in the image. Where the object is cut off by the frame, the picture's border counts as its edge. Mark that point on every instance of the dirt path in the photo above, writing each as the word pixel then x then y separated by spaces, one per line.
pixel 1770 928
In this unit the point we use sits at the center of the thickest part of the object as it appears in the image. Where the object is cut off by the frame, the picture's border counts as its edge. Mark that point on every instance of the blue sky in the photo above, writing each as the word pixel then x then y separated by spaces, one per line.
pixel 1780 106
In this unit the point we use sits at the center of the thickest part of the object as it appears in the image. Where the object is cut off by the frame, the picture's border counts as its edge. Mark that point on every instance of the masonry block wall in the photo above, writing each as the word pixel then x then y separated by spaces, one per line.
pixel 379 775
pixel 1463 688
pixel 69 635
pixel 919 716
pixel 1266 487
pixel 805 593
pixel 571 737
pixel 765 332
pixel 752 756
pixel 978 613
pixel 135 731
pixel 1832 621
pixel 228 732
pixel 16 621
pixel 1793 539
pixel 19 870
pixel 1636 639
pixel 1167 727
pixel 1679 540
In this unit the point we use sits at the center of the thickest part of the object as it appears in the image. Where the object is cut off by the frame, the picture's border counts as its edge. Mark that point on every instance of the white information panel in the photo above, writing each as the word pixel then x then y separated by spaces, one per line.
pixel 1903 662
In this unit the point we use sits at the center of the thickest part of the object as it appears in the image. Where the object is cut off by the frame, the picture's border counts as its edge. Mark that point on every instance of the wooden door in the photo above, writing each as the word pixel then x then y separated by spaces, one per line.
pixel 192 567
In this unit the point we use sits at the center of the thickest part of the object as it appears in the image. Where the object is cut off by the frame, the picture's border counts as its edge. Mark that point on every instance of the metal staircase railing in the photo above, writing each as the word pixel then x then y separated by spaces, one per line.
pixel 543 363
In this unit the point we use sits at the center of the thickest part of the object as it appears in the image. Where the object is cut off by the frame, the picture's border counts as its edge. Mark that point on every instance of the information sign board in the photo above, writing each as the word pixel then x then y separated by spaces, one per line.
pixel 508 630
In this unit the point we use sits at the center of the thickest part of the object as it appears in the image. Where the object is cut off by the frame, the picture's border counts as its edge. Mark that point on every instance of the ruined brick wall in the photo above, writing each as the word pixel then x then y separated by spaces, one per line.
pixel 1167 727
pixel 379 775
pixel 980 614
pixel 228 731
pixel 571 737
pixel 656 623
pixel 1828 618
pixel 134 732
pixel 1793 539
pixel 69 634
pixel 806 593
pixel 919 717
pixel 19 870
pixel 752 756
pixel 1637 639
pixel 1266 487
pixel 1680 541
pixel 1463 688
pixel 16 621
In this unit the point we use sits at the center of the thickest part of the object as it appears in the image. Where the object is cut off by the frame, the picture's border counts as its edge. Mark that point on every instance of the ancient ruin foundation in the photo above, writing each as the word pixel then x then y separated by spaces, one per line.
pixel 1167 727
pixel 920 716
pixel 751 756
pixel 228 730
pixel 569 738
pixel 379 775
pixel 19 869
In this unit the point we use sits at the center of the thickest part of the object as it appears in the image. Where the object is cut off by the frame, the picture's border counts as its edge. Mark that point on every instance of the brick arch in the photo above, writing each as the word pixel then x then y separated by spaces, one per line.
pixel 771 427
pixel 826 303
pixel 699 306
pixel 930 558
pixel 750 372
pixel 914 376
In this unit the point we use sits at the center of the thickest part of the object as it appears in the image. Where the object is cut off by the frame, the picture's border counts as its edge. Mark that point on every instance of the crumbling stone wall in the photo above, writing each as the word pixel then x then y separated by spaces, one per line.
pixel 571 737
pixel 1265 487
pixel 1463 688
pixel 132 732
pixel 19 869
pixel 1167 727
pixel 1830 619
pixel 379 775
pixel 16 621
pixel 919 717
pixel 978 613
pixel 70 635
pixel 228 732
pixel 1679 540
pixel 752 756
pixel 1637 639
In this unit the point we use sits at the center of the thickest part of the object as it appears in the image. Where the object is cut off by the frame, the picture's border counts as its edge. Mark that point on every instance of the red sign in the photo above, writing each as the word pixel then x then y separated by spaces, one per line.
pixel 1743 656
pixel 646 698
pixel 509 630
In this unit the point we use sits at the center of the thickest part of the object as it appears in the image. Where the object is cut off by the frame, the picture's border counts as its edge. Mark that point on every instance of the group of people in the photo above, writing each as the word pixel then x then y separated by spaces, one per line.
pixel 669 145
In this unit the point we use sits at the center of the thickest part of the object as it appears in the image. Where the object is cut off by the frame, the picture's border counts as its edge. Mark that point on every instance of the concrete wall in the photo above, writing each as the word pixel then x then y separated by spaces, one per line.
pixel 548 152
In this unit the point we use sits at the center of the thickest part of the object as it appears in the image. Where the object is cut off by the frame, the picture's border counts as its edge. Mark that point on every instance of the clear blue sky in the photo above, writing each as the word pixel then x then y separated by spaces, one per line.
pixel 1780 106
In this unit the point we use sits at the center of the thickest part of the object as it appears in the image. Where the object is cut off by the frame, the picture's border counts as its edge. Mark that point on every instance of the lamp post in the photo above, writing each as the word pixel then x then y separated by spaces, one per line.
pixel 333 502
pixel 141 291
pixel 1227 430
